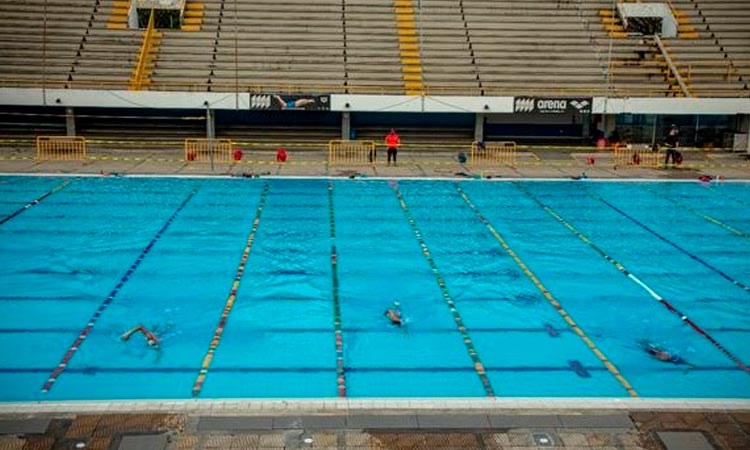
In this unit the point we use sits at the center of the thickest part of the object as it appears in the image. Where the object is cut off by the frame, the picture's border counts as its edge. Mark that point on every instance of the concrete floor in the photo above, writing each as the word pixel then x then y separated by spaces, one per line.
pixel 361 425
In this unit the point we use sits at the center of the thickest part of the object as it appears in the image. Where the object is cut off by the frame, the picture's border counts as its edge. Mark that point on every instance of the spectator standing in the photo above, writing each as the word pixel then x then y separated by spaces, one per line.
pixel 672 141
pixel 393 142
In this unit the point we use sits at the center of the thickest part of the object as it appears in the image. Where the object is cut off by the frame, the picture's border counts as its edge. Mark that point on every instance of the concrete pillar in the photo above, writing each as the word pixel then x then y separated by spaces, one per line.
pixel 744 126
pixel 70 122
pixel 346 125
pixel 608 124
pixel 210 124
pixel 479 126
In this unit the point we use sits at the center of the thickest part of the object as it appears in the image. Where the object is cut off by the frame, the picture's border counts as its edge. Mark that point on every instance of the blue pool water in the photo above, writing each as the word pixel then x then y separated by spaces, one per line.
pixel 508 288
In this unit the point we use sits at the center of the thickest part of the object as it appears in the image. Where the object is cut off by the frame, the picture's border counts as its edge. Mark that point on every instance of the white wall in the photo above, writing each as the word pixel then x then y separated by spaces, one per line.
pixel 372 103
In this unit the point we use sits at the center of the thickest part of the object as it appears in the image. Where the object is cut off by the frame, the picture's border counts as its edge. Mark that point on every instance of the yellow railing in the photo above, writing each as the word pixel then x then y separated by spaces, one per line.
pixel 60 148
pixel 204 150
pixel 626 156
pixel 487 154
pixel 342 152
pixel 140 73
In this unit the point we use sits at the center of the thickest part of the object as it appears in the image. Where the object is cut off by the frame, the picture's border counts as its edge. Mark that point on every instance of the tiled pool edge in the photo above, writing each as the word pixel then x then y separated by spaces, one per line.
pixel 322 406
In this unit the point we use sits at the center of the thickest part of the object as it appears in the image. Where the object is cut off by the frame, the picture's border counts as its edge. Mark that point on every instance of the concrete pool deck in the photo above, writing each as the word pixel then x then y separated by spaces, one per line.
pixel 520 424
pixel 542 163
pixel 536 423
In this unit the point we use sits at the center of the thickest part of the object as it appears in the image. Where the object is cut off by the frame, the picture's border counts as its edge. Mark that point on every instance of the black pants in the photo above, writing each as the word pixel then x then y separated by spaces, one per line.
pixel 373 155
pixel 392 151
pixel 671 153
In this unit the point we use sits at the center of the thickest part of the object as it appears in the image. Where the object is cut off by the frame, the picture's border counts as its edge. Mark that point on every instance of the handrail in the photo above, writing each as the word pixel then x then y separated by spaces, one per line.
pixel 136 84
pixel 672 67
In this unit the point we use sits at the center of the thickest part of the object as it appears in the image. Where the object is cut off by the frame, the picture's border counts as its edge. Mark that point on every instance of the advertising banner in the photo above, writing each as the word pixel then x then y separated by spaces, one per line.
pixel 279 102
pixel 535 105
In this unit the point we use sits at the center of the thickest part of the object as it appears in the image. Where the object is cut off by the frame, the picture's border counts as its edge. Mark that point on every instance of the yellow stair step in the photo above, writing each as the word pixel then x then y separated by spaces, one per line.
pixel 193 14
pixel 605 13
pixel 192 20
pixel 407 40
pixel 121 4
pixel 409 46
pixel 119 11
pixel 406 24
pixel 689 35
pixel 403 3
pixel 404 10
pixel 118 19
pixel 194 6
pixel 117 26
pixel 610 20
pixel 409 54
pixel 618 35
pixel 412 77
pixel 190 28
pixel 411 69
pixel 414 91
pixel 614 28
pixel 407 32
pixel 411 61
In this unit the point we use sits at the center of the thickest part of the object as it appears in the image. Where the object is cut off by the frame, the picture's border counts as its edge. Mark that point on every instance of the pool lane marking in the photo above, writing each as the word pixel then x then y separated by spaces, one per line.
pixel 35 202
pixel 713 220
pixel 664 239
pixel 84 333
pixel 340 372
pixel 634 278
pixel 478 366
pixel 550 298
pixel 201 378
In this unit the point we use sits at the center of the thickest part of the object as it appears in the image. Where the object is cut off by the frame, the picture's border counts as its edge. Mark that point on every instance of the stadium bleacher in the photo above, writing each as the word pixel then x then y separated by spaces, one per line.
pixel 468 47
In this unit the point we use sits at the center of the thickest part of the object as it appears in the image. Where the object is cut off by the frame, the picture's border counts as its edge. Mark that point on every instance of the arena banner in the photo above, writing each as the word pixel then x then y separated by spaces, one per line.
pixel 537 105
pixel 278 102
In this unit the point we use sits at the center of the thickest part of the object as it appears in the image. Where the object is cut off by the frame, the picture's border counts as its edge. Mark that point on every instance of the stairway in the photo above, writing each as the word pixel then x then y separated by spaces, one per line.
pixel 612 24
pixel 408 43
pixel 192 19
pixel 118 18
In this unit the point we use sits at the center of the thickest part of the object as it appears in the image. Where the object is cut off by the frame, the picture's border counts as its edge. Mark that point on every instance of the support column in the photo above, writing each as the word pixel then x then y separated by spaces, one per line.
pixel 479 126
pixel 608 124
pixel 210 124
pixel 346 125
pixel 744 126
pixel 70 122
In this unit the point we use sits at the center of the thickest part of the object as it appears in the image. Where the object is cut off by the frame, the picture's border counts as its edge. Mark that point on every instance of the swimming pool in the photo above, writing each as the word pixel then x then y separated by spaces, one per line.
pixel 276 288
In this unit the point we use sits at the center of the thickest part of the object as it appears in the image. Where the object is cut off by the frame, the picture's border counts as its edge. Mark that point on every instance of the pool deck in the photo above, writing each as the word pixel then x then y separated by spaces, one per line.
pixel 413 424
pixel 541 163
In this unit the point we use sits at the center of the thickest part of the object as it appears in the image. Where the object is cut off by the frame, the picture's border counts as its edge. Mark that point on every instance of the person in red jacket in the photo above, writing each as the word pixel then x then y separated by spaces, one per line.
pixel 392 141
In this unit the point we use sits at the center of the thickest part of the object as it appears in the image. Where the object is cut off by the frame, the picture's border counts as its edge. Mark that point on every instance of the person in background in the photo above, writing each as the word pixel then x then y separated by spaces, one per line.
pixel 672 141
pixel 393 142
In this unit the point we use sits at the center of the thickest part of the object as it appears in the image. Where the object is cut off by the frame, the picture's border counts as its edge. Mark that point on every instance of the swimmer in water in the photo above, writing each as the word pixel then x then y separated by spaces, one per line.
pixel 394 315
pixel 663 355
pixel 151 338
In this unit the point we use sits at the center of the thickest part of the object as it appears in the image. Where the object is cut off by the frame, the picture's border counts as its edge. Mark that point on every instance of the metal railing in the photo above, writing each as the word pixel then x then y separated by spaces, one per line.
pixel 60 148
pixel 343 152
pixel 487 154
pixel 137 82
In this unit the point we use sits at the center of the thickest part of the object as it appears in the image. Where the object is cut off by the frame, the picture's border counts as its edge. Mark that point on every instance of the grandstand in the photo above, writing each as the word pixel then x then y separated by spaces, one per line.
pixel 465 54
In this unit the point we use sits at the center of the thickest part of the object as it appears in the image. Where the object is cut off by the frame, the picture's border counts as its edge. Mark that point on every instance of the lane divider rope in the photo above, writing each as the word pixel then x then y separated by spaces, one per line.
pixel 203 373
pixel 340 372
pixel 550 298
pixel 85 332
pixel 664 239
pixel 35 202
pixel 635 279
pixel 478 366
pixel 713 220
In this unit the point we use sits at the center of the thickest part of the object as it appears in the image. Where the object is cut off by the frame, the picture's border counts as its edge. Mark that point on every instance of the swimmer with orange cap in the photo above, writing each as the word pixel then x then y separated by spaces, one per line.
pixel 394 315
pixel 151 338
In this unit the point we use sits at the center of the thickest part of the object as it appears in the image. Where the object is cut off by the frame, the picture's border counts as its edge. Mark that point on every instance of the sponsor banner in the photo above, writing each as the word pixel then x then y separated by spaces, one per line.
pixel 278 102
pixel 535 105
